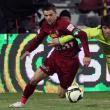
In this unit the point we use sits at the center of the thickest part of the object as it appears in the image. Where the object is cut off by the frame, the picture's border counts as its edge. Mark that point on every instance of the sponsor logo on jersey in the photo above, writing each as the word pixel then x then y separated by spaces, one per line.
pixel 70 27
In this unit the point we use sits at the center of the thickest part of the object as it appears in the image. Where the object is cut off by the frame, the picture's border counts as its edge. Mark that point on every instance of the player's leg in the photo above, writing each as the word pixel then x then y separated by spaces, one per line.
pixel 38 76
pixel 30 87
pixel 61 92
pixel 74 83
pixel 67 74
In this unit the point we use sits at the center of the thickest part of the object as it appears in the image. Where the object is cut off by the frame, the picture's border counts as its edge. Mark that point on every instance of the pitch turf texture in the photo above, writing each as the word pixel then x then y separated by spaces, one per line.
pixel 42 101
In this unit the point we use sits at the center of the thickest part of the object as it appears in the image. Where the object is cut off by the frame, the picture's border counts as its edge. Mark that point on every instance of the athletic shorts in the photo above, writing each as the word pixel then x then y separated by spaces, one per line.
pixel 64 63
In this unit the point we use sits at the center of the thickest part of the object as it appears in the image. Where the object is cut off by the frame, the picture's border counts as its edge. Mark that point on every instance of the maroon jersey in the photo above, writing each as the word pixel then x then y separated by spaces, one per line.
pixel 61 27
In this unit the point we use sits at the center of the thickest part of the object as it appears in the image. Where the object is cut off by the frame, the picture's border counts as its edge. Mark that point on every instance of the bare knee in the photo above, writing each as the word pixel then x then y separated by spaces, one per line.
pixel 33 82
pixel 38 76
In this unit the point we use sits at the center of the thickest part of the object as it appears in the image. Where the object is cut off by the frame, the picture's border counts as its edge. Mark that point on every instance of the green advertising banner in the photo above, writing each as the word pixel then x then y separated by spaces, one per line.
pixel 15 73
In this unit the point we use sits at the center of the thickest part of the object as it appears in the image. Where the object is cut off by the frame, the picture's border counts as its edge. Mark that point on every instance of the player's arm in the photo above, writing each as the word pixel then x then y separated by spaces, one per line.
pixel 37 40
pixel 34 44
pixel 60 40
pixel 66 38
pixel 78 33
pixel 91 33
pixel 84 41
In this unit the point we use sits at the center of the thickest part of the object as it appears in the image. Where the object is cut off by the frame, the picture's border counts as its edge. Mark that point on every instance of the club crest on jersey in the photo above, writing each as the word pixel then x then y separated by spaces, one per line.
pixel 53 35
pixel 70 27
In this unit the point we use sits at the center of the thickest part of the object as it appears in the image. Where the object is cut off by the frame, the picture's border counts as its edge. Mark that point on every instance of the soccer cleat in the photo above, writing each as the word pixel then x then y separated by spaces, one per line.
pixel 16 105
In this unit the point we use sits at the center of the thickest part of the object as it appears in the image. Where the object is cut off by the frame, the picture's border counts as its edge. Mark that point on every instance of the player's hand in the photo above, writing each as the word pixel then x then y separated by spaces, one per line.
pixel 86 61
pixel 53 42
pixel 25 54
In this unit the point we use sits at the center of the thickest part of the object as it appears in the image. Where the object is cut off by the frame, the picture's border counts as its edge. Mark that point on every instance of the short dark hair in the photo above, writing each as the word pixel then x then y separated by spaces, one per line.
pixel 49 6
pixel 105 20
pixel 65 13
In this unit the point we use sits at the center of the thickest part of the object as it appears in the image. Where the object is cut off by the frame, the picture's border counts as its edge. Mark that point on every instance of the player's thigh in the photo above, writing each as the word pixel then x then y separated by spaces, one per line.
pixel 38 76
pixel 67 74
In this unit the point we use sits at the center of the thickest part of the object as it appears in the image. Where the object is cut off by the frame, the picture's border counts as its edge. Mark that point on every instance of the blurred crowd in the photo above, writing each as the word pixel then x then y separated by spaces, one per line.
pixel 23 16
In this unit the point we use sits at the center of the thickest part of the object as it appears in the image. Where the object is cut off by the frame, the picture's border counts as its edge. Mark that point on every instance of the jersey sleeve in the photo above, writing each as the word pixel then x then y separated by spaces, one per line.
pixel 78 33
pixel 36 41
pixel 84 41
pixel 65 38
pixel 92 32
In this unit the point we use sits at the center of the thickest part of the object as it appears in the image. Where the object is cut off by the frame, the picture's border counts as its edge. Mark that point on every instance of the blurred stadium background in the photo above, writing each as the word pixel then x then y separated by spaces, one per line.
pixel 23 15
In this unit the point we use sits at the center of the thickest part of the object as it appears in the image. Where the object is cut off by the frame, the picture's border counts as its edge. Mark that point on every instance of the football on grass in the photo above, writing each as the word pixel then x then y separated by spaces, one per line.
pixel 74 94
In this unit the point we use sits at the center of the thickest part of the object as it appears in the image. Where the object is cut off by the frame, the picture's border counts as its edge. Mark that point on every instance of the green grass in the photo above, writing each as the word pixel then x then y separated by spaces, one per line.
pixel 42 101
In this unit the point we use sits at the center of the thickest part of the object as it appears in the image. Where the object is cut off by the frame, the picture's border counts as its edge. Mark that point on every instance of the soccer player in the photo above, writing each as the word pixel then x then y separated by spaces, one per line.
pixel 66 14
pixel 102 34
pixel 63 60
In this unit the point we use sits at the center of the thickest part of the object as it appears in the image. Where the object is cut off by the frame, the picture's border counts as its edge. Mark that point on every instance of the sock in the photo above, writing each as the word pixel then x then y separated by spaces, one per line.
pixel 28 91
pixel 23 100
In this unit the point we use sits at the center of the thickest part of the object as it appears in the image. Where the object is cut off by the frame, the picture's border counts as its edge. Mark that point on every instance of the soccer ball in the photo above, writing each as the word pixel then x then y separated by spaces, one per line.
pixel 74 94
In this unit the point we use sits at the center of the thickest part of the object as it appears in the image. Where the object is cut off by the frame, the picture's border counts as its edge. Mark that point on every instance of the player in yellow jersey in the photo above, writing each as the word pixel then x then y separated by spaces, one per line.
pixel 102 34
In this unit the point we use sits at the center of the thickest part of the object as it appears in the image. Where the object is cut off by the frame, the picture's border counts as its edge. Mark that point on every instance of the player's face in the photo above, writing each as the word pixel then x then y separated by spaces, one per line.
pixel 106 31
pixel 50 16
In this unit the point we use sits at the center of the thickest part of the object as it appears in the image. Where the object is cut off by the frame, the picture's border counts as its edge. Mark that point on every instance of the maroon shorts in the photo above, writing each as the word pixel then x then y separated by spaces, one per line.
pixel 65 64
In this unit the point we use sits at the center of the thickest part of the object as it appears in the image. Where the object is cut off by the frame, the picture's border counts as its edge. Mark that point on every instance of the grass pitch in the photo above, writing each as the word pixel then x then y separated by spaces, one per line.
pixel 43 101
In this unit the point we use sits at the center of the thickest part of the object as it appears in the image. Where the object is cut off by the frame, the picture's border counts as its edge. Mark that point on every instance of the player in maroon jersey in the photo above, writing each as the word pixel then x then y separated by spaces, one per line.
pixel 63 60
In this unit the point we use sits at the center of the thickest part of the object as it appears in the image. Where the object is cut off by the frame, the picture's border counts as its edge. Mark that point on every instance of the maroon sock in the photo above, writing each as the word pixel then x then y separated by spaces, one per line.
pixel 28 91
